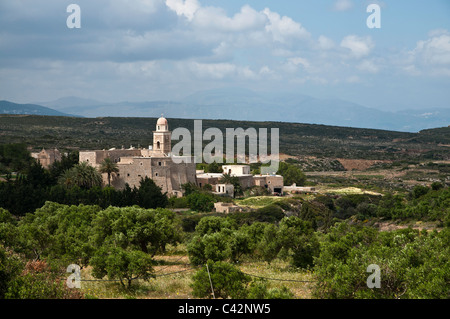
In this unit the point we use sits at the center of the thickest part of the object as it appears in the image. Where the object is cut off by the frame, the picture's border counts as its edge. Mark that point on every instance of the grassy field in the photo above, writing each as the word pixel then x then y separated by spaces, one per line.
pixel 258 201
pixel 173 279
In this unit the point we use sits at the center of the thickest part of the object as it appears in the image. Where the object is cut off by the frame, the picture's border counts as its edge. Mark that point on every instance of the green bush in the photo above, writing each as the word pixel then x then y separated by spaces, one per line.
pixel 419 191
pixel 201 202
pixel 227 281
pixel 213 224
pixel 291 174
pixel 270 213
pixel 39 281
pixel 258 289
pixel 413 264
pixel 122 264
pixel 298 241
pixel 219 239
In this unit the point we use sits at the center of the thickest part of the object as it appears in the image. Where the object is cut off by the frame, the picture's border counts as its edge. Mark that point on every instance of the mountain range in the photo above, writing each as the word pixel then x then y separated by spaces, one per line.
pixel 246 105
pixel 7 107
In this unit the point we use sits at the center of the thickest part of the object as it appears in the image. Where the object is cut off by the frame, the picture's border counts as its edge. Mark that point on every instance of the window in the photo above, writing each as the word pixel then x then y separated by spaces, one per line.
pixel 159 163
pixel 156 174
pixel 128 174
pixel 158 145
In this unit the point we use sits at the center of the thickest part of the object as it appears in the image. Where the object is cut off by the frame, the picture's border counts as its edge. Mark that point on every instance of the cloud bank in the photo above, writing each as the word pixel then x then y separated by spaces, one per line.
pixel 152 49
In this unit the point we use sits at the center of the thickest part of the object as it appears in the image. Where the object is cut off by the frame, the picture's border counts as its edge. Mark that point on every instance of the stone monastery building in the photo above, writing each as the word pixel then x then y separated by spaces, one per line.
pixel 156 163
pixel 47 157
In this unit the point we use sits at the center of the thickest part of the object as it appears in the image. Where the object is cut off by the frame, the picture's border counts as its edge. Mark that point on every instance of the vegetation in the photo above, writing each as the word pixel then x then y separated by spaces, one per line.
pixel 109 167
pixel 228 280
pixel 321 141
pixel 79 184
pixel 291 174
pixel 413 264
pixel 82 175
pixel 117 242
pixel 306 245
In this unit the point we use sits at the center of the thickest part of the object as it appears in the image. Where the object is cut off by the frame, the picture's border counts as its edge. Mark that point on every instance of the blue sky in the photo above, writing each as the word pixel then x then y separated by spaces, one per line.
pixel 166 49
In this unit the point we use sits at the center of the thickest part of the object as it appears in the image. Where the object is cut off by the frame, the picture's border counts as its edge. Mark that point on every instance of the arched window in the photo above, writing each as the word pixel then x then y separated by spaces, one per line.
pixel 158 145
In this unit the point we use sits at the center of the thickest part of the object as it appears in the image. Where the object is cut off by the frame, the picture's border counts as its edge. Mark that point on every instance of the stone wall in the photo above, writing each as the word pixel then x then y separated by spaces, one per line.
pixel 269 181
pixel 96 157
pixel 162 170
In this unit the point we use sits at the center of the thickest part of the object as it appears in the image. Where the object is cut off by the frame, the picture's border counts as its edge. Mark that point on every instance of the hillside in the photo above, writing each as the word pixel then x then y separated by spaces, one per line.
pixel 7 107
pixel 295 138
pixel 246 105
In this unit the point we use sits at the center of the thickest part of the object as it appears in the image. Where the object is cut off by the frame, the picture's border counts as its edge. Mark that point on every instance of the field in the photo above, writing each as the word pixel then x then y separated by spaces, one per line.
pixel 173 278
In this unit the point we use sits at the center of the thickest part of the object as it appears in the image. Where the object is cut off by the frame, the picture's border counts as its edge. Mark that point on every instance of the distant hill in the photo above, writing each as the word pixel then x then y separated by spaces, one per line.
pixel 7 107
pixel 245 105
pixel 69 101
pixel 295 138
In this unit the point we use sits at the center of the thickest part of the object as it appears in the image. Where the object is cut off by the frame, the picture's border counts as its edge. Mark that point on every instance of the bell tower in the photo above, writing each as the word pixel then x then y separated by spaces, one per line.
pixel 162 137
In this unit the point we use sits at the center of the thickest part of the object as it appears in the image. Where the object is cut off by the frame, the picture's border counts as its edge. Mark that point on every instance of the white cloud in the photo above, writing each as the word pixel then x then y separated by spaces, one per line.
pixel 325 43
pixel 343 5
pixel 216 19
pixel 299 61
pixel 370 66
pixel 284 29
pixel 185 8
pixel 359 46
pixel 165 47
pixel 438 32
pixel 435 51
pixel 265 70
pixel 213 70
pixel 430 56
pixel 353 79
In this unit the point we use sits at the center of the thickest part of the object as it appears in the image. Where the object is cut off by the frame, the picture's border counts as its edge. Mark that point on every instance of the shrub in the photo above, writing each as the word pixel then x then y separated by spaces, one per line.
pixel 214 246
pixel 122 264
pixel 270 213
pixel 32 280
pixel 419 191
pixel 213 224
pixel 413 264
pixel 202 202
pixel 259 290
pixel 298 241
pixel 227 281
pixel 436 186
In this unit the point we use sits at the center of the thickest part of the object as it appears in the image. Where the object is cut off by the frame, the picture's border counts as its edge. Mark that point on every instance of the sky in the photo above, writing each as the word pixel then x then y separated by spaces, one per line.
pixel 145 50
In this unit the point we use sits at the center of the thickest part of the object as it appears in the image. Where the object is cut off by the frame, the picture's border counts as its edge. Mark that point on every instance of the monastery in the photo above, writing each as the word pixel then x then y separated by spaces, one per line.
pixel 47 157
pixel 156 163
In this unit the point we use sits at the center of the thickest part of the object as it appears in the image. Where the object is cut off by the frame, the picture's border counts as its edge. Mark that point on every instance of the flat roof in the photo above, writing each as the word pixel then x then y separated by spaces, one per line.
pixel 210 175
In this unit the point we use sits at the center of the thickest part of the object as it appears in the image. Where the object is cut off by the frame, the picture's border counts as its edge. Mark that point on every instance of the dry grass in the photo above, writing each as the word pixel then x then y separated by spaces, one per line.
pixel 281 274
pixel 173 279
pixel 345 191
pixel 258 201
